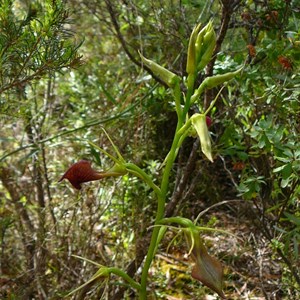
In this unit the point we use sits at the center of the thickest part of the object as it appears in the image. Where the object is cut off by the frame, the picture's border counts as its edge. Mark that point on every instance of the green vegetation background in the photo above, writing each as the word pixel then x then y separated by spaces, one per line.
pixel 70 67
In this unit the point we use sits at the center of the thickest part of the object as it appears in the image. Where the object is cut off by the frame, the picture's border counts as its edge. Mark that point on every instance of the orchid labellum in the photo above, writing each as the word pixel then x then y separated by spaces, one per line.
pixel 82 171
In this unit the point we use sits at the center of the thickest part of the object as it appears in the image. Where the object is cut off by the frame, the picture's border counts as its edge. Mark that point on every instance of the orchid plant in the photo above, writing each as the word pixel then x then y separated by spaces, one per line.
pixel 207 269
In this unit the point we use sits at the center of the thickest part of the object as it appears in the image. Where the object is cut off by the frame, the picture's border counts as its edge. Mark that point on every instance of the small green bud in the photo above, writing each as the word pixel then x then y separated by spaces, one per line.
pixel 209 33
pixel 209 43
pixel 191 56
pixel 199 41
pixel 201 46
pixel 169 78
pixel 199 123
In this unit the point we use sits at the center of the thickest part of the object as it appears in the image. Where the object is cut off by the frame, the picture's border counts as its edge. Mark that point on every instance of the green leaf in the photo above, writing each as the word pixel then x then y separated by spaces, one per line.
pixel 293 218
pixel 287 171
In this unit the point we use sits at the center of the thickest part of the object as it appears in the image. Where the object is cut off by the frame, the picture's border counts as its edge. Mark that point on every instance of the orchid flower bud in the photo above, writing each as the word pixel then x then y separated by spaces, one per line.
pixel 192 49
pixel 208 46
pixel 169 78
pixel 199 123
pixel 199 41
pixel 213 81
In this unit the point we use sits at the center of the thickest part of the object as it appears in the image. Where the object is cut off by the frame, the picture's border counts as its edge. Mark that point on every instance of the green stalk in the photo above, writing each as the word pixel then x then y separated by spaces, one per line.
pixel 184 222
pixel 160 212
pixel 151 249
pixel 177 97
pixel 125 276
pixel 190 88
pixel 135 170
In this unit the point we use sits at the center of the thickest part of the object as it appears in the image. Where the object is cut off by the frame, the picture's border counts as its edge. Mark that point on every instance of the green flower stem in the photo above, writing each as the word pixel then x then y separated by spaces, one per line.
pixel 182 137
pixel 177 97
pixel 105 153
pixel 170 161
pixel 104 272
pixel 190 88
pixel 183 132
pixel 160 212
pixel 198 92
pixel 184 222
pixel 184 128
pixel 135 170
pixel 212 103
pixel 187 223
pixel 190 81
pixel 151 249
pixel 161 234
pixel 125 276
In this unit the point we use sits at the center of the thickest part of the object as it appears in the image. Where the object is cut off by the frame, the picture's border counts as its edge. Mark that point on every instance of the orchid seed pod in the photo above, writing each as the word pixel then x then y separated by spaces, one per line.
pixel 199 123
pixel 169 78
